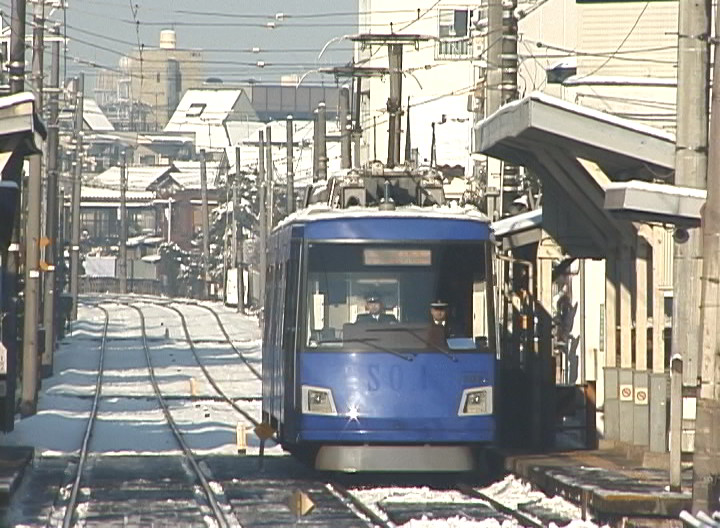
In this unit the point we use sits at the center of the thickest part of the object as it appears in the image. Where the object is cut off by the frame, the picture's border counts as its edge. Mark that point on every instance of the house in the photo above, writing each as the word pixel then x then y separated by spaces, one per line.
pixel 218 118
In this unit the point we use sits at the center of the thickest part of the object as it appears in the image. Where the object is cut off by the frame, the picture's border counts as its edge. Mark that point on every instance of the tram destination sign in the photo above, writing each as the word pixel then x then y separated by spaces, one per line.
pixel 397 257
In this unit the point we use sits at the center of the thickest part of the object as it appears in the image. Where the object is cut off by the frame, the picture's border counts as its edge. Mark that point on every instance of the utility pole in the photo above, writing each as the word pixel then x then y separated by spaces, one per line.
pixel 238 242
pixel 357 126
pixel 493 99
pixel 77 182
pixel 322 143
pixel 706 459
pixel 262 217
pixel 51 216
pixel 17 47
pixel 408 143
pixel 345 139
pixel 691 146
pixel 290 184
pixel 205 225
pixel 394 104
pixel 28 403
pixel 316 145
pixel 122 262
pixel 270 191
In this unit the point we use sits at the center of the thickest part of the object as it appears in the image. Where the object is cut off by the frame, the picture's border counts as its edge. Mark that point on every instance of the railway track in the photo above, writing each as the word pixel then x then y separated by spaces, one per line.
pixel 215 500
pixel 208 376
pixel 404 506
pixel 68 503
pixel 185 487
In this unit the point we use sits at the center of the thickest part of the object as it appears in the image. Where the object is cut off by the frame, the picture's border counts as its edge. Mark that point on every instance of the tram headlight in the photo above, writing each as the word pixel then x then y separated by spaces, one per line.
pixel 476 401
pixel 317 400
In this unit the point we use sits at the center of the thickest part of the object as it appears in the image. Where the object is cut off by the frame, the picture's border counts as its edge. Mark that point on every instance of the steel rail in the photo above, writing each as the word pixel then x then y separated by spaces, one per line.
pixel 514 512
pixel 72 501
pixel 229 340
pixel 342 492
pixel 207 489
pixel 209 377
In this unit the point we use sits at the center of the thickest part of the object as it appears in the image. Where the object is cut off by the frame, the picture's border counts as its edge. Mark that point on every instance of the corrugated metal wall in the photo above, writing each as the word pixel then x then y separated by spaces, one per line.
pixel 639 30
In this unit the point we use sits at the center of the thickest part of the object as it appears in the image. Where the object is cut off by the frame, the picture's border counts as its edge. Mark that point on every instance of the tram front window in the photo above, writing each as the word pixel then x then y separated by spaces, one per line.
pixel 378 297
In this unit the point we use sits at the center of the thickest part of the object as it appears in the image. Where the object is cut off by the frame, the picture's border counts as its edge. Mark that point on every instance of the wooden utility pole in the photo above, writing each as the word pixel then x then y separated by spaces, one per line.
pixel 122 261
pixel 51 216
pixel 290 184
pixel 28 404
pixel 77 182
pixel 205 225
pixel 262 217
pixel 706 459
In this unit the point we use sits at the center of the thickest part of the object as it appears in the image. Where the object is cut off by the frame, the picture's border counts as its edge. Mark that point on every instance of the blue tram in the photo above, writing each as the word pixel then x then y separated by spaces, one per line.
pixel 386 395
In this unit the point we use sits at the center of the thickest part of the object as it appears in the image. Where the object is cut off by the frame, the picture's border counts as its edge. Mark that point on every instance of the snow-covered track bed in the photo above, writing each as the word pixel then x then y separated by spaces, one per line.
pixel 215 505
pixel 229 375
pixel 66 502
pixel 458 506
pixel 242 355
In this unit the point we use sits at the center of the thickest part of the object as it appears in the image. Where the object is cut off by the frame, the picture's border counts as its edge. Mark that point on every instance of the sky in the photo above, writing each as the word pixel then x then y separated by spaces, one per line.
pixel 102 31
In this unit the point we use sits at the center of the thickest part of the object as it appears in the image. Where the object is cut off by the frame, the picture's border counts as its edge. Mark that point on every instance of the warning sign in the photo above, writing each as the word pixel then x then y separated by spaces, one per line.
pixel 641 396
pixel 626 393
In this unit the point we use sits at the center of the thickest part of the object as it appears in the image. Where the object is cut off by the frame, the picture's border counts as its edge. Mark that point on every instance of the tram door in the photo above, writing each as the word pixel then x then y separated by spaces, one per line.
pixel 289 332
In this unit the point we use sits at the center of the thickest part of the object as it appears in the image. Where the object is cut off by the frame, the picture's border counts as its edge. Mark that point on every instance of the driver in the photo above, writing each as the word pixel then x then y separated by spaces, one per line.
pixel 375 311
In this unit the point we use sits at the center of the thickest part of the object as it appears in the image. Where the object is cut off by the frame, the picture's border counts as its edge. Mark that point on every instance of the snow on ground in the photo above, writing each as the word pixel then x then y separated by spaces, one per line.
pixel 511 491
pixel 130 420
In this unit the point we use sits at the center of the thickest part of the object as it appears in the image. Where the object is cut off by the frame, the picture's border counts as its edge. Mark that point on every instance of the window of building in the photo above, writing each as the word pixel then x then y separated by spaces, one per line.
pixel 195 110
pixel 453 34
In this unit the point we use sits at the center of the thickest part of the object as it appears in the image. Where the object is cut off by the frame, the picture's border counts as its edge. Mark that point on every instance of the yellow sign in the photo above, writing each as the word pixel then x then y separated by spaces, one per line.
pixel 300 504
pixel 43 265
pixel 264 431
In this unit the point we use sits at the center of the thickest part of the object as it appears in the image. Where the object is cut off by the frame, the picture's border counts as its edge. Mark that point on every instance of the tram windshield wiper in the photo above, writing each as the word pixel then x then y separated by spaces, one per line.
pixel 432 345
pixel 369 341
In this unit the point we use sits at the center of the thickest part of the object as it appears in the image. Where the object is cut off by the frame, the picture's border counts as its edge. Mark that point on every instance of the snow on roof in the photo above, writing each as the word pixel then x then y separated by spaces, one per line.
pixel 204 112
pixel 618 80
pixel 569 62
pixel 520 222
pixel 138 178
pixel 88 192
pixel 319 212
pixel 188 175
pixel 95 118
pixel 593 114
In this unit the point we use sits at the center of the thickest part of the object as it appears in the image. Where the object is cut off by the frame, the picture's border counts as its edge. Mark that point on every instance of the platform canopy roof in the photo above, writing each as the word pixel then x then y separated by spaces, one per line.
pixel 577 152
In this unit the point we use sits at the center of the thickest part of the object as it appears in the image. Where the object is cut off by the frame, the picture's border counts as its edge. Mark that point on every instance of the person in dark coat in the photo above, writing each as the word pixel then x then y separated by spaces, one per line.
pixel 375 312
pixel 439 327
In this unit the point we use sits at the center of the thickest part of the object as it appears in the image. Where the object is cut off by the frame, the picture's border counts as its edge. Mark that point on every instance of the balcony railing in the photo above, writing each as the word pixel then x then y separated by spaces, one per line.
pixel 453 48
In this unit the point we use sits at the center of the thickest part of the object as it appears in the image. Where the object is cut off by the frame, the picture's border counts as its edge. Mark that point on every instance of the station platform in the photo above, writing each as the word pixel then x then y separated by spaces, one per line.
pixel 13 461
pixel 611 484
